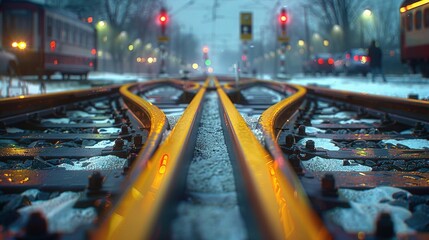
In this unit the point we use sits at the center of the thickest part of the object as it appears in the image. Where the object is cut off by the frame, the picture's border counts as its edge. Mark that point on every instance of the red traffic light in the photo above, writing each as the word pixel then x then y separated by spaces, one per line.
pixel 283 16
pixel 163 17
pixel 205 49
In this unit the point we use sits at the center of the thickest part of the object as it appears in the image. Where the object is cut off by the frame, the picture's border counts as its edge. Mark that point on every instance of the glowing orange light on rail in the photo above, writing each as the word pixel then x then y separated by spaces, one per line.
pixel 413 5
pixel 163 164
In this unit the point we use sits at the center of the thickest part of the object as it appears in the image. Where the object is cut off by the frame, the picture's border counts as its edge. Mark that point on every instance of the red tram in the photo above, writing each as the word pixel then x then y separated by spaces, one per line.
pixel 415 34
pixel 47 40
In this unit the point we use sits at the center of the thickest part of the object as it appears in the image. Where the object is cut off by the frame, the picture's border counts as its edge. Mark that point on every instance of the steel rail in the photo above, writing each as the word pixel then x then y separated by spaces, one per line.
pixel 410 108
pixel 26 104
pixel 139 212
pixel 279 209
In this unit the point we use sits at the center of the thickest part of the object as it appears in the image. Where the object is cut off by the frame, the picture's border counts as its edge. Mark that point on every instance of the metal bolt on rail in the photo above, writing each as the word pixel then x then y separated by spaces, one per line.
pixel 95 181
pixel 328 186
pixel 413 96
pixel 384 227
pixel 301 130
pixel 124 129
pixel 310 145
pixel 118 119
pixel 419 129
pixel 386 119
pixel 119 144
pixel 138 140
pixel 36 227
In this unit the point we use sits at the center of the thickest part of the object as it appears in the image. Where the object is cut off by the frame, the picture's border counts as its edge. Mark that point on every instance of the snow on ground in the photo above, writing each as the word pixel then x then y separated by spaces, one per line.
pixel 56 84
pixel 396 86
pixel 366 207
pixel 59 212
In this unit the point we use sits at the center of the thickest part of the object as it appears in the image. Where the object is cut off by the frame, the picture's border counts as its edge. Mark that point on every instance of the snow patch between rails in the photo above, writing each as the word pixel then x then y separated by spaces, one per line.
pixel 322 164
pixel 252 123
pixel 324 143
pixel 59 212
pixel 14 130
pixel 366 207
pixel 102 144
pixel 317 164
pixel 56 120
pixel 411 143
pixel 77 113
pixel 108 162
pixel 356 121
pixel 313 130
pixel 109 130
pixel 211 210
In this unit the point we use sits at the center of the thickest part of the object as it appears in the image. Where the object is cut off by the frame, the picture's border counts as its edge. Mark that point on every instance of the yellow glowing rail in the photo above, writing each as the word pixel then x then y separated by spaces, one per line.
pixel 283 212
pixel 413 5
pixel 138 211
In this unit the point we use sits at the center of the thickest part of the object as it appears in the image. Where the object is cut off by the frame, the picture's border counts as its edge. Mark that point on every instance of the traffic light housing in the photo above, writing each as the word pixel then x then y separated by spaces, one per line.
pixel 163 19
pixel 283 19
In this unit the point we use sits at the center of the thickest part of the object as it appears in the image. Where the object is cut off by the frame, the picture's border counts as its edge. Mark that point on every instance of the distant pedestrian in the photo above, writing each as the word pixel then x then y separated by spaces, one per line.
pixel 375 61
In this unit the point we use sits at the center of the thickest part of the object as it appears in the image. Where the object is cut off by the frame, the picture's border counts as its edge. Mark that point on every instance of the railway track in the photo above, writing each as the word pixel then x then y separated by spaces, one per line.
pixel 362 160
pixel 189 192
pixel 258 160
pixel 65 158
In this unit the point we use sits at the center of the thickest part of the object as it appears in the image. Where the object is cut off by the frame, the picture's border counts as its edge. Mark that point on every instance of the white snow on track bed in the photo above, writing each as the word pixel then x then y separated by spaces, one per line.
pixel 59 212
pixel 397 85
pixel 211 211
pixel 411 143
pixel 108 162
pixel 321 164
pixel 366 206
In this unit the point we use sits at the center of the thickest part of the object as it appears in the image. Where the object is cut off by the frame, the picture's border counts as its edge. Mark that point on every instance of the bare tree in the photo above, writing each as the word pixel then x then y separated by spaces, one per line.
pixel 342 13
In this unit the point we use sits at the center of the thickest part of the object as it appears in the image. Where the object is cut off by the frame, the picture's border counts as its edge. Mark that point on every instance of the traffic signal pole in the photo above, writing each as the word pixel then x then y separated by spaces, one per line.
pixel 283 40
pixel 162 39
pixel 245 36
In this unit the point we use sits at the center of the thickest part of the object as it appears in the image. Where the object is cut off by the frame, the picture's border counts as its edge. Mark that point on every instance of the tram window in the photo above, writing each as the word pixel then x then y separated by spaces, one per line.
pixel 57 29
pixel 418 20
pixel 64 32
pixel 49 27
pixel 71 33
pixel 88 41
pixel 18 24
pixel 82 38
pixel 76 37
pixel 409 21
pixel 426 17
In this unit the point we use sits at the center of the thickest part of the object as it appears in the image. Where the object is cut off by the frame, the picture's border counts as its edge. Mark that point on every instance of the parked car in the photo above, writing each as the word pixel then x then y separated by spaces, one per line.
pixel 355 61
pixel 319 63
pixel 8 63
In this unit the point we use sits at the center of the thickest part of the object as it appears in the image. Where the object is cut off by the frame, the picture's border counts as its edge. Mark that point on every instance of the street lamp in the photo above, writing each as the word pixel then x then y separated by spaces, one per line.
pixel 367 13
pixel 325 43
pixel 366 16
pixel 103 30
